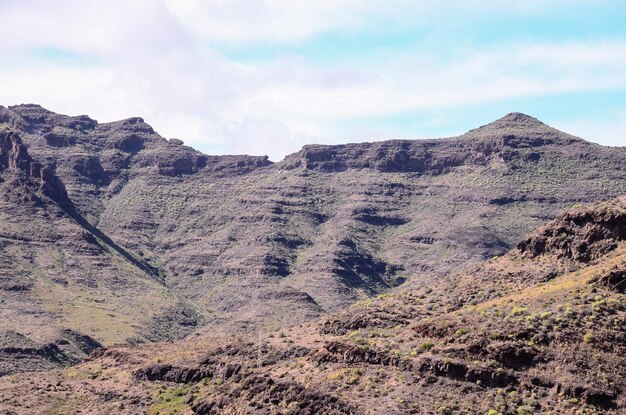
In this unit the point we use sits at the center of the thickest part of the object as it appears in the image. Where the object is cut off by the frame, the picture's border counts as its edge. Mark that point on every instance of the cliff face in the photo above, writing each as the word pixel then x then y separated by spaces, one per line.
pixel 239 243
pixel 14 159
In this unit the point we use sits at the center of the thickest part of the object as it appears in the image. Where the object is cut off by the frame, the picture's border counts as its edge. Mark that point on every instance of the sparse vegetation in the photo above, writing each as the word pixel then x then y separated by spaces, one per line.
pixel 427 345
pixel 169 401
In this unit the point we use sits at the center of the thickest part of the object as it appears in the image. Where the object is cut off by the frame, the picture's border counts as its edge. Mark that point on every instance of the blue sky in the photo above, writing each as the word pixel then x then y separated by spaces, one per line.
pixel 266 77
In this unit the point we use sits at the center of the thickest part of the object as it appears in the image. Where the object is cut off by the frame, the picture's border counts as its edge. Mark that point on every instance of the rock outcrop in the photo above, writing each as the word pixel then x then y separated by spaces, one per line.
pixel 581 234
pixel 14 158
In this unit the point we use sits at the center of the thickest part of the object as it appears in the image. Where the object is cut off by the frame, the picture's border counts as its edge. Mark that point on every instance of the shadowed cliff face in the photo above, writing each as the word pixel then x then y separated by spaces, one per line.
pixel 239 243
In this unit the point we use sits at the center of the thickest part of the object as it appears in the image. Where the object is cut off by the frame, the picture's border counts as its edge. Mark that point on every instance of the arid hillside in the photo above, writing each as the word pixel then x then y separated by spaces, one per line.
pixel 113 234
pixel 539 330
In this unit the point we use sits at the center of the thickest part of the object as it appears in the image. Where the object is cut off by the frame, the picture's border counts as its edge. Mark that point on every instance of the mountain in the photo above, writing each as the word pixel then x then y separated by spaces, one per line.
pixel 136 238
pixel 541 329
pixel 61 277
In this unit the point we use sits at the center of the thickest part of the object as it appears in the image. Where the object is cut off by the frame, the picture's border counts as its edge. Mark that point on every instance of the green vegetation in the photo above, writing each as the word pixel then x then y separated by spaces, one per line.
pixel 348 376
pixel 427 345
pixel 169 401
pixel 448 409
pixel 518 311
pixel 525 410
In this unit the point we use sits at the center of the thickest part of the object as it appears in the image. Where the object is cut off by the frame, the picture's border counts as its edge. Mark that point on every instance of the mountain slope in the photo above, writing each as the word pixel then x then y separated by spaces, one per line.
pixel 244 244
pixel 545 333
pixel 63 283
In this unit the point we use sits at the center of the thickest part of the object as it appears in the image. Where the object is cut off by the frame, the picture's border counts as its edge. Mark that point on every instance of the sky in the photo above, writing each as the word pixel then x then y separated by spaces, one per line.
pixel 265 77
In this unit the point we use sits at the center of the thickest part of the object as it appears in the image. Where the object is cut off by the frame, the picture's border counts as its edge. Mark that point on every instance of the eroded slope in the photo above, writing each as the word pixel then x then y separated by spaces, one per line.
pixel 544 333
pixel 64 285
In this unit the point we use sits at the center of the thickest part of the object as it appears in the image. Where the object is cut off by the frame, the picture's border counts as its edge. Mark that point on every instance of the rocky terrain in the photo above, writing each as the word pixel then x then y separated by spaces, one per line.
pixel 53 263
pixel 114 234
pixel 541 329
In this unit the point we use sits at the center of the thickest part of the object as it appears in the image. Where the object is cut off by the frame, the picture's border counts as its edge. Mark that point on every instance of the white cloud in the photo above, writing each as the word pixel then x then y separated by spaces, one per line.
pixel 111 29
pixel 155 60
pixel 239 21
pixel 407 85
pixel 265 20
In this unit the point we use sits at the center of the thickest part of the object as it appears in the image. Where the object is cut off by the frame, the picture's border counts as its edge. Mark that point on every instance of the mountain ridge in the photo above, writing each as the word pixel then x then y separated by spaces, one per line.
pixel 516 120
pixel 239 244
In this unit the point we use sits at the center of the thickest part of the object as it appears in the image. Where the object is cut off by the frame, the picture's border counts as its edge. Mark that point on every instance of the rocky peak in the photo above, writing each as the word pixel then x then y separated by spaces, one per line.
pixel 514 121
pixel 517 118
pixel 517 130
pixel 30 109
pixel 34 118
pixel 134 124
